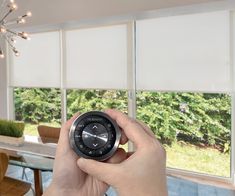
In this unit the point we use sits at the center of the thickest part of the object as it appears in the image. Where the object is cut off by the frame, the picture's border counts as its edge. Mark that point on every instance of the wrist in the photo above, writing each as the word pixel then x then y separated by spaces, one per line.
pixel 53 190
pixel 150 191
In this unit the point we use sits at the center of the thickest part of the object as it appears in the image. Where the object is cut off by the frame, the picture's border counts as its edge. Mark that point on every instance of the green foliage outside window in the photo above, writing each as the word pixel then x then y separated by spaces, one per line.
pixel 87 100
pixel 196 118
pixel 205 119
pixel 36 105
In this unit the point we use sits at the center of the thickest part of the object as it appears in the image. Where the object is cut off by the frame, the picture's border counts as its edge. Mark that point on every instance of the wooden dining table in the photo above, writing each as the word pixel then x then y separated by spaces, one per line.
pixel 33 154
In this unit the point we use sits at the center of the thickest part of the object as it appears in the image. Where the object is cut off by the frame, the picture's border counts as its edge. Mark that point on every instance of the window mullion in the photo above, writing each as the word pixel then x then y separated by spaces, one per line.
pixel 131 73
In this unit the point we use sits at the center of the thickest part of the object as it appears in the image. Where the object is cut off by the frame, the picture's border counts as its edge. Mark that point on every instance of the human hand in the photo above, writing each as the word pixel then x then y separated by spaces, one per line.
pixel 142 172
pixel 68 178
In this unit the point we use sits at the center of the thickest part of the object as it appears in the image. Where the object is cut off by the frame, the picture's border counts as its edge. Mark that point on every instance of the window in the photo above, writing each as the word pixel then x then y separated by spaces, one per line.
pixel 192 126
pixel 183 81
pixel 38 69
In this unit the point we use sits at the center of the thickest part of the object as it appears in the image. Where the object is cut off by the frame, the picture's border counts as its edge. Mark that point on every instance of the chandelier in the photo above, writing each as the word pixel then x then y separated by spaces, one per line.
pixel 6 33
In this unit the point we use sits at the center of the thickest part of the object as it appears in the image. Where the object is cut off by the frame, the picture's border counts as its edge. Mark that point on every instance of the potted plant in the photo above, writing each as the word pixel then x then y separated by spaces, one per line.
pixel 11 132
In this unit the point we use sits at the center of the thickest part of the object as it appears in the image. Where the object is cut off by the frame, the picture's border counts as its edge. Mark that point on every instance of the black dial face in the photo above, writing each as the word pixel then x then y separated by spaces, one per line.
pixel 94 135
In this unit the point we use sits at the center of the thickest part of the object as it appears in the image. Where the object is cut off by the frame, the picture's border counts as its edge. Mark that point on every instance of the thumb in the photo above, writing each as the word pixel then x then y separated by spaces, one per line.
pixel 102 171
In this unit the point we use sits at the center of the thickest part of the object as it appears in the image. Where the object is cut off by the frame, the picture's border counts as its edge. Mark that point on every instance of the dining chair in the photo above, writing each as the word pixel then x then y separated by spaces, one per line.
pixel 49 134
pixel 10 186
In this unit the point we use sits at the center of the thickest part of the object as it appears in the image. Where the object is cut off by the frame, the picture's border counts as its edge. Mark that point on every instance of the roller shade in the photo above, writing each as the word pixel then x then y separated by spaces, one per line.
pixel 39 62
pixel 184 53
pixel 96 58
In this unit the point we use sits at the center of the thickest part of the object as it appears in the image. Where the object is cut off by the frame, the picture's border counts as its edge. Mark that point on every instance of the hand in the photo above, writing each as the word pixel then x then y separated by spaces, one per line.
pixel 68 178
pixel 142 172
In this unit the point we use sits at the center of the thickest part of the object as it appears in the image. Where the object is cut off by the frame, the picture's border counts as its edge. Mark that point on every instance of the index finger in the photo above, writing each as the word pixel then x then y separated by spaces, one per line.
pixel 63 143
pixel 133 130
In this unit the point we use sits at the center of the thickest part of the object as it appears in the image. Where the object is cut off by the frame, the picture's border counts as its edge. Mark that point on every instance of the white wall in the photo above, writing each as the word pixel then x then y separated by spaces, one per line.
pixel 3 89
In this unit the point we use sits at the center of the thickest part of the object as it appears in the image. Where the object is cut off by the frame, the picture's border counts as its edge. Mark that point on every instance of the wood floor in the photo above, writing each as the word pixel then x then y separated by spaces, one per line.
pixel 176 186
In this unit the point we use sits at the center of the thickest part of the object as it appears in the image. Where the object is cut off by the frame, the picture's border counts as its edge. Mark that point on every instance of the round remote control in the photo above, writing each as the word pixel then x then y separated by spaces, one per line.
pixel 94 135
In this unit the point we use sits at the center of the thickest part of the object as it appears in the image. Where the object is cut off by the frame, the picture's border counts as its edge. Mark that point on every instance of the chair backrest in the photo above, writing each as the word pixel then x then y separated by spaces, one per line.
pixel 10 186
pixel 46 133
pixel 3 165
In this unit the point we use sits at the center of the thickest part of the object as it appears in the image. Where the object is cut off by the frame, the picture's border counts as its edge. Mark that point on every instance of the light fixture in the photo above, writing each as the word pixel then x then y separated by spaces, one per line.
pixel 6 33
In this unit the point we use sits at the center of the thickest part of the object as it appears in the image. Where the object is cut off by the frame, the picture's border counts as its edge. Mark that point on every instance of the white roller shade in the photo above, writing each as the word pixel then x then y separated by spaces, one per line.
pixel 97 58
pixel 184 53
pixel 39 62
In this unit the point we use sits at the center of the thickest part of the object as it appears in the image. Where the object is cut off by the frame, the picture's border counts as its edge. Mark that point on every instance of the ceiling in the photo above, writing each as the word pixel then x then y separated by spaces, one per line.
pixel 46 12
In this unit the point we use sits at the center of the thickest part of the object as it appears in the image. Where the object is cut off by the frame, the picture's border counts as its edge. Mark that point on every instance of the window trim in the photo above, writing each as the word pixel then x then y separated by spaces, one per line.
pixel 232 64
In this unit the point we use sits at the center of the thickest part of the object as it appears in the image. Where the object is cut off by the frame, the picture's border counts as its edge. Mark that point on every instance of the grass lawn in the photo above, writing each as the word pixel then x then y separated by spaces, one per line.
pixel 181 156
pixel 31 129
pixel 203 160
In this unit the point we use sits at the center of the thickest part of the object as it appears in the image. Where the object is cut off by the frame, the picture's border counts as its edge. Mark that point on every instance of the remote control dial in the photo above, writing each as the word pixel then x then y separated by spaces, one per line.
pixel 94 135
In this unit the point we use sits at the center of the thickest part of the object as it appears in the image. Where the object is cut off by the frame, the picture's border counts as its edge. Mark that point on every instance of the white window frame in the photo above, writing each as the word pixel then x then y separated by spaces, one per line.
pixel 232 64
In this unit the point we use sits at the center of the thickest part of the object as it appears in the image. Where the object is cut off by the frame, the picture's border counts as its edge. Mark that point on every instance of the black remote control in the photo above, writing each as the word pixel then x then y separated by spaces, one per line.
pixel 94 135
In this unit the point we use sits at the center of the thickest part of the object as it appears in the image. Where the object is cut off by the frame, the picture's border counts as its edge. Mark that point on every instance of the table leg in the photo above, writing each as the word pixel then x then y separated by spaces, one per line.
pixel 37 182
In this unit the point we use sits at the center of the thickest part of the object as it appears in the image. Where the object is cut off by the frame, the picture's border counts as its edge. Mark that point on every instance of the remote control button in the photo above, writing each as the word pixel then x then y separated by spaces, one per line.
pixel 95 135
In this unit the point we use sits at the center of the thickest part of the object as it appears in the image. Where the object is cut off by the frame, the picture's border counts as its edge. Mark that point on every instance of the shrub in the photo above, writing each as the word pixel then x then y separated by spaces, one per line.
pixel 37 105
pixel 11 128
pixel 197 118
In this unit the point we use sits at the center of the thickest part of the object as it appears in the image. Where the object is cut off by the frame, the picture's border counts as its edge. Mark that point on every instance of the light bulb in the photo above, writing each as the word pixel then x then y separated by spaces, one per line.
pixel 29 14
pixel 2 29
pixel 1 54
pixel 23 35
pixel 16 52
pixel 12 6
pixel 21 21
pixel 13 40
